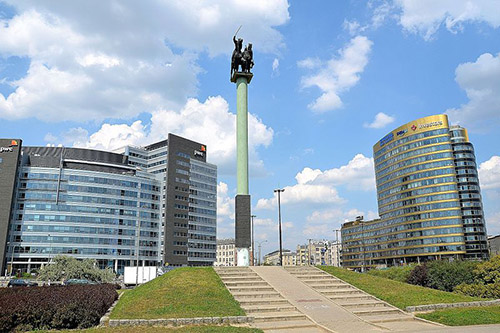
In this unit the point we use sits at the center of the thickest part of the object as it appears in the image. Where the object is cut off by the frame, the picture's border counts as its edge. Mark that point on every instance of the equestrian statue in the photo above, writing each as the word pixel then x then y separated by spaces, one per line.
pixel 243 59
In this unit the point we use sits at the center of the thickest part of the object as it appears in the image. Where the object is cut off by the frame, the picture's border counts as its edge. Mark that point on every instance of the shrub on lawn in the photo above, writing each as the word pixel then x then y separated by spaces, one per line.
pixel 66 267
pixel 397 273
pixel 56 307
pixel 486 280
pixel 419 276
pixel 445 275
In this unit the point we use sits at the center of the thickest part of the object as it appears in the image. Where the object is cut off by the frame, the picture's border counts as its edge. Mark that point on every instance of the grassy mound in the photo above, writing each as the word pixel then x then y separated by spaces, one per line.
pixel 396 293
pixel 186 292
pixel 465 316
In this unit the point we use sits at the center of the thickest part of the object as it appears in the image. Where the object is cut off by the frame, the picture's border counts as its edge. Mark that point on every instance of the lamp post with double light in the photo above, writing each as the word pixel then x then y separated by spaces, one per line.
pixel 279 190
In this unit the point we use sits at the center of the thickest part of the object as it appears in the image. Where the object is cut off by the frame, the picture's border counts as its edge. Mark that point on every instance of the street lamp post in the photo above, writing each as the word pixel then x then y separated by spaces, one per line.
pixel 253 242
pixel 260 244
pixel 279 219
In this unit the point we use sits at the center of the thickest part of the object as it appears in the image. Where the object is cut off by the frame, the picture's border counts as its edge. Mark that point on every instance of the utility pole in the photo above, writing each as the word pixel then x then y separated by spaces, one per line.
pixel 260 244
pixel 279 219
pixel 253 243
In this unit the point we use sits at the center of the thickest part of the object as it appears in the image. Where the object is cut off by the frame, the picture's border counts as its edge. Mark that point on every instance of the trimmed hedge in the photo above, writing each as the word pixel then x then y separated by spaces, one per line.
pixel 54 307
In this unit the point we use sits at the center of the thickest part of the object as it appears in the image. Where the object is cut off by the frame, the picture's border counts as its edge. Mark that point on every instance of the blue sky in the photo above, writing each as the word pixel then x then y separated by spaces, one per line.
pixel 331 79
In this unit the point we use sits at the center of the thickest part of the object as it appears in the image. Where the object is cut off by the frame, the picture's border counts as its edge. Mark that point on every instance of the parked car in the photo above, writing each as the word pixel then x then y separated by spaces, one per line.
pixel 21 283
pixel 78 281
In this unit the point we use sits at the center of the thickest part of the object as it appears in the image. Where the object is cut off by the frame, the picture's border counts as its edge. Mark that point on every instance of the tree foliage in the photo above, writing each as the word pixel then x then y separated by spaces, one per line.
pixel 486 280
pixel 66 267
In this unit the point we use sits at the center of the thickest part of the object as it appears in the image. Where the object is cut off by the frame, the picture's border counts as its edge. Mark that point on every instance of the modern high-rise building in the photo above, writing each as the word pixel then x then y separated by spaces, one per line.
pixel 149 205
pixel 428 198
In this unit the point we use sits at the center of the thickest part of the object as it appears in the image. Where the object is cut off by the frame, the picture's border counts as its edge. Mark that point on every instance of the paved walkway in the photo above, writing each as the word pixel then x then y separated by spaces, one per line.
pixel 329 314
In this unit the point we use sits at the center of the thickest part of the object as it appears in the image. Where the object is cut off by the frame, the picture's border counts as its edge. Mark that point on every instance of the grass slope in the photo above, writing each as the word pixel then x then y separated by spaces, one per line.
pixel 186 292
pixel 465 316
pixel 396 293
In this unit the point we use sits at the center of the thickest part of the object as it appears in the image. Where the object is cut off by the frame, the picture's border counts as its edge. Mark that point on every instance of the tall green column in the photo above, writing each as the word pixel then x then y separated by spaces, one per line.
pixel 242 133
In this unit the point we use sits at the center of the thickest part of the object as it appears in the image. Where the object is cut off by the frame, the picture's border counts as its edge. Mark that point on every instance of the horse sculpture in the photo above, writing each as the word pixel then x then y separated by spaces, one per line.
pixel 243 59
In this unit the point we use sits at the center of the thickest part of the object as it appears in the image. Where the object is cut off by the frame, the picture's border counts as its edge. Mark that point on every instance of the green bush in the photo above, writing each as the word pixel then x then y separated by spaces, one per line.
pixel 397 273
pixel 491 290
pixel 445 275
pixel 486 280
pixel 419 276
pixel 66 267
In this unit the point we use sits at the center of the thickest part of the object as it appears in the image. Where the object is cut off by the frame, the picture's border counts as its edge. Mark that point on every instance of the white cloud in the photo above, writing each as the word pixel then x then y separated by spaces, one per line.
pixel 92 60
pixel 276 66
pixel 338 74
pixel 209 122
pixel 381 120
pixel 316 187
pixel 358 174
pixel 426 16
pixel 481 82
pixel 493 223
pixel 489 174
pixel 324 222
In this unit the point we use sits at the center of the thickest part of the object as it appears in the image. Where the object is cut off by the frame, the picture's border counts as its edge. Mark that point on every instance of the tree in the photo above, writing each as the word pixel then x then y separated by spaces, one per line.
pixel 66 267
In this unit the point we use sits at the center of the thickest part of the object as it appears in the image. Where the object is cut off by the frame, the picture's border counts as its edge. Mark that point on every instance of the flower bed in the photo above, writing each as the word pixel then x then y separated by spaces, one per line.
pixel 55 307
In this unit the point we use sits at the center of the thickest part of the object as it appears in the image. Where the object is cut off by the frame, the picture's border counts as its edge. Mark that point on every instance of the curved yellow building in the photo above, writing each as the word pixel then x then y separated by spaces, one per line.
pixel 428 198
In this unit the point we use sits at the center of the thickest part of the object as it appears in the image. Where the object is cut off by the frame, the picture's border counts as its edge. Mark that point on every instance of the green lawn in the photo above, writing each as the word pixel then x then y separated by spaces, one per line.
pixel 396 293
pixel 185 292
pixel 158 329
pixel 465 316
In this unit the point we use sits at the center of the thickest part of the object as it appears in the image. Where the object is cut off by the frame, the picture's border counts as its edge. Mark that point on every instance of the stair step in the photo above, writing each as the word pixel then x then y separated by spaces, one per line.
pixel 350 297
pixel 335 292
pixel 263 301
pixel 284 325
pixel 322 281
pixel 311 276
pixel 364 311
pixel 245 283
pixel 278 316
pixel 269 308
pixel 383 318
pixel 246 294
pixel 321 287
pixel 256 289
pixel 241 278
pixel 360 303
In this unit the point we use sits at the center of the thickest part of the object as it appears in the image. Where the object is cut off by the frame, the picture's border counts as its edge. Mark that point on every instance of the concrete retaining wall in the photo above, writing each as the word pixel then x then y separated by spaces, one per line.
pixel 182 321
pixel 431 307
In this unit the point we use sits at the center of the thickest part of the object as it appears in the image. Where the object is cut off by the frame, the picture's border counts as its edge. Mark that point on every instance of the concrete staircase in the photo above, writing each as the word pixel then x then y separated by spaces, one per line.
pixel 363 305
pixel 271 311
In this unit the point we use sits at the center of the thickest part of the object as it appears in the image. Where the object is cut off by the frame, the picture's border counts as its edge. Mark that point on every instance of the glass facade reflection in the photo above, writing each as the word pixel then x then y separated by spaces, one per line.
pixel 137 205
pixel 428 198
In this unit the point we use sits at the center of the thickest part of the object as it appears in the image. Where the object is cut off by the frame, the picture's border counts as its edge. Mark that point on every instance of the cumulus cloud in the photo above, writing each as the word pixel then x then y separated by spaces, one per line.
pixel 317 187
pixel 426 16
pixel 481 82
pixel 381 120
pixel 489 174
pixel 209 122
pixel 92 60
pixel 323 222
pixel 338 74
pixel 358 174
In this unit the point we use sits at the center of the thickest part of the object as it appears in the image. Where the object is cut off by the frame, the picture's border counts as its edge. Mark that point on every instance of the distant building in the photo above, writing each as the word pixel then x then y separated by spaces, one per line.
pixel 494 245
pixel 319 252
pixel 226 252
pixel 429 199
pixel 273 258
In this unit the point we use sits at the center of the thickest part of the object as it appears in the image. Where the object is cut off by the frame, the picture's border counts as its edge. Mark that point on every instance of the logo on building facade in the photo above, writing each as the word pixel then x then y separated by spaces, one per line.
pixel 413 127
pixel 434 123
pixel 386 139
pixel 401 133
pixel 198 153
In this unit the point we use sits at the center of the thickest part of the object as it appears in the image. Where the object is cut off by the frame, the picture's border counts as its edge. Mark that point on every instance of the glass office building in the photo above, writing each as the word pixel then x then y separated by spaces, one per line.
pixel 428 198
pixel 120 208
